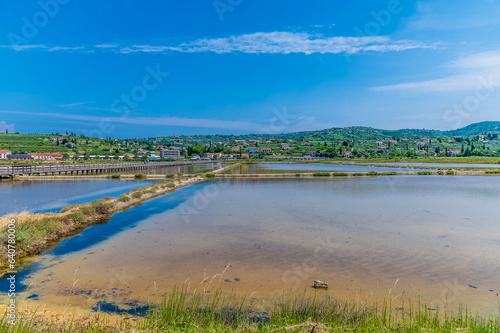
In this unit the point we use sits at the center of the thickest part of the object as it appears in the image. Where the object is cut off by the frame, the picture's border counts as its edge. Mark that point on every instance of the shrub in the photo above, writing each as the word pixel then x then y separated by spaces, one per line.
pixel 136 194
pixel 170 184
pixel 104 208
pixel 210 175
pixel 372 173
pixel 87 210
pixel 440 173
pixel 297 175
pixel 115 176
pixel 340 174
pixel 75 216
pixel 357 174
pixel 492 172
pixel 388 173
pixel 139 176
pixel 169 175
pixel 123 198
pixel 69 207
pixel 450 172
pixel 321 174
pixel 424 173
pixel 100 201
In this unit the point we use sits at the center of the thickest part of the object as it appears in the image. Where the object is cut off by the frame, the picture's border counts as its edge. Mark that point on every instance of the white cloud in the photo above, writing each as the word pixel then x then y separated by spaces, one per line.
pixel 289 42
pixel 162 121
pixel 106 46
pixel 148 48
pixel 74 104
pixel 25 47
pixel 480 69
pixel 66 48
pixel 301 123
pixel 7 127
pixel 278 42
pixel 483 60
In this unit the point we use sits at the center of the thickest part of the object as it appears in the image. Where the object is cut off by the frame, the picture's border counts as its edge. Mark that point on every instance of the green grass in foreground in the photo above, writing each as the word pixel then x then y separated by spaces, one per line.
pixel 209 312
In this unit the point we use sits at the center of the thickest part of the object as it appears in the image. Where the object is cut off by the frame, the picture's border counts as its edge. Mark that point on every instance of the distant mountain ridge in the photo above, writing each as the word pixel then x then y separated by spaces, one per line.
pixel 358 133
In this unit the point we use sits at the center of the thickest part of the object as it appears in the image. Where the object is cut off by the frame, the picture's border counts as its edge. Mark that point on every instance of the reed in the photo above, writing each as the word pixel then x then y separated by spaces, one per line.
pixel 203 310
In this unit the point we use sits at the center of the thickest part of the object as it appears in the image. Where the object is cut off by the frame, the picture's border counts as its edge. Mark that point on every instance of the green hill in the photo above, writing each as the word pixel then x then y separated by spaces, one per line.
pixel 478 128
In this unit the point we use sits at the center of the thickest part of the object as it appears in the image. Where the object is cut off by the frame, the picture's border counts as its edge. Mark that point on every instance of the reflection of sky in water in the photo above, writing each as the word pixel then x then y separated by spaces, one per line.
pixel 51 196
pixel 424 231
pixel 263 168
pixel 440 165
pixel 188 169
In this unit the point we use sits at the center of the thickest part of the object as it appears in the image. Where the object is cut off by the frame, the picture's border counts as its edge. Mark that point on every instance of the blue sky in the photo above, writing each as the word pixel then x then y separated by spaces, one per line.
pixel 125 68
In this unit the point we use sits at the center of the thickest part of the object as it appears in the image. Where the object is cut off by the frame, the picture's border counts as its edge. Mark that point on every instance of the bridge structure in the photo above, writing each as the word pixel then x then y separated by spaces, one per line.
pixel 9 171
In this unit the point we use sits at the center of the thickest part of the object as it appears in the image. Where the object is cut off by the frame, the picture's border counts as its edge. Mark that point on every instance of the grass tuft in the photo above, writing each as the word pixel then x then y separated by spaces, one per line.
pixel 321 174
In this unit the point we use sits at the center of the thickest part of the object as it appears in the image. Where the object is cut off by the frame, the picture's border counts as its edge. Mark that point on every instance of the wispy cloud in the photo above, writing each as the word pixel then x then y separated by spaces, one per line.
pixel 466 73
pixel 106 46
pixel 151 121
pixel 66 48
pixel 74 104
pixel 292 42
pixel 278 42
pixel 25 47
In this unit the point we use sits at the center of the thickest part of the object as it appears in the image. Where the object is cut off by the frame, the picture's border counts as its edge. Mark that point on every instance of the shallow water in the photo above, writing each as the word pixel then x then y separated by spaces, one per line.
pixel 187 169
pixel 50 196
pixel 438 165
pixel 438 237
pixel 268 168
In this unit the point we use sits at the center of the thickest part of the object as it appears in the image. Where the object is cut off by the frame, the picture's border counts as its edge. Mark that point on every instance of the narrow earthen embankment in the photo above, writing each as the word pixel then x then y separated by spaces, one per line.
pixel 36 232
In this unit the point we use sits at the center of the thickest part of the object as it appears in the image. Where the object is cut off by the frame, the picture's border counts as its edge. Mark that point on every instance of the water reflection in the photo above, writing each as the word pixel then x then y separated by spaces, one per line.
pixel 359 235
pixel 50 196
pixel 270 168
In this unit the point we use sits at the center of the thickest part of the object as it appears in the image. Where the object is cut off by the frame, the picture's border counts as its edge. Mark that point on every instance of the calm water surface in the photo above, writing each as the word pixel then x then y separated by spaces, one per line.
pixel 268 168
pixel 439 165
pixel 50 196
pixel 434 237
pixel 188 169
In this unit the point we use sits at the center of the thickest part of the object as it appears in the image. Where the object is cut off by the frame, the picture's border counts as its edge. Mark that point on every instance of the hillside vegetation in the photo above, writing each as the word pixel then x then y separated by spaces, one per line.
pixel 475 140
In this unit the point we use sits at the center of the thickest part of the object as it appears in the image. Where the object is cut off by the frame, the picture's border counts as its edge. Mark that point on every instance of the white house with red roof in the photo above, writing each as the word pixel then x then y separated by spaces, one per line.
pixel 4 153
